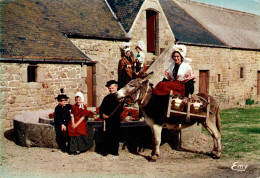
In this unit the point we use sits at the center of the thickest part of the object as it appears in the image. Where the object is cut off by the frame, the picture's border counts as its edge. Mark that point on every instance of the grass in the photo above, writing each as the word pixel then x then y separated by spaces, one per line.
pixel 240 133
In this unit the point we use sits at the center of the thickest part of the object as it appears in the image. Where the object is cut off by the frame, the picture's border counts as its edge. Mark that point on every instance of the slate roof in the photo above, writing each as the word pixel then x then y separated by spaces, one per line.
pixel 89 18
pixel 126 11
pixel 34 28
pixel 236 29
pixel 185 28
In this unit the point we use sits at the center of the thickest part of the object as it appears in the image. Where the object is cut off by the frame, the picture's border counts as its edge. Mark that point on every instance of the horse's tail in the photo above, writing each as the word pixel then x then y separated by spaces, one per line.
pixel 218 120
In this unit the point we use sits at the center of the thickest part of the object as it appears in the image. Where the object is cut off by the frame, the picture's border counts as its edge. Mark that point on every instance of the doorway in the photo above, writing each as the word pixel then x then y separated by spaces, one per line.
pixel 204 81
pixel 89 83
pixel 151 30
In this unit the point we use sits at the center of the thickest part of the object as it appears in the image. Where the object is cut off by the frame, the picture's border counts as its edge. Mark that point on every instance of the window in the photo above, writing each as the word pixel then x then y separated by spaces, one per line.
pixel 218 77
pixel 241 72
pixel 31 73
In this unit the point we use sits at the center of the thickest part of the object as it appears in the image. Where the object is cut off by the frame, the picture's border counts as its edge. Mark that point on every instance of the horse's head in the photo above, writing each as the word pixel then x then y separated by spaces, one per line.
pixel 132 89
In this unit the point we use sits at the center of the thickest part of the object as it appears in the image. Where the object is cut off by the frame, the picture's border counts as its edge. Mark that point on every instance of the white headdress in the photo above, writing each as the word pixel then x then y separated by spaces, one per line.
pixel 80 94
pixel 181 49
pixel 126 49
pixel 141 45
pixel 126 46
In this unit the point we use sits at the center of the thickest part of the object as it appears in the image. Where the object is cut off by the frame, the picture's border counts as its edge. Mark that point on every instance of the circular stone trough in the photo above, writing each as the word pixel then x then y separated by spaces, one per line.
pixel 29 132
pixel 34 128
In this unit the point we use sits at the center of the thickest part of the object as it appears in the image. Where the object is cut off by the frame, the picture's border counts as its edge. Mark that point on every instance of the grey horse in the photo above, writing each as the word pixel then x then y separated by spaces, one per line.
pixel 140 90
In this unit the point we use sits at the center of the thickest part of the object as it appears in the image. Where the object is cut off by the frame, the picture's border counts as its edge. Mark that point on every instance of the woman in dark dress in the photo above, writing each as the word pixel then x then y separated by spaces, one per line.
pixel 180 70
pixel 125 68
pixel 179 78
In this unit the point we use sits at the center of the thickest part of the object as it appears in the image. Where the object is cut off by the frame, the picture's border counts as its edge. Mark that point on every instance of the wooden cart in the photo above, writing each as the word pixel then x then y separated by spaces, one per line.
pixel 187 113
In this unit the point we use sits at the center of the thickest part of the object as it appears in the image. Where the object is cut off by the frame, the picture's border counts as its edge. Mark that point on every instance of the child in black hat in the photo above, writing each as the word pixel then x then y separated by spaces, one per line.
pixel 61 119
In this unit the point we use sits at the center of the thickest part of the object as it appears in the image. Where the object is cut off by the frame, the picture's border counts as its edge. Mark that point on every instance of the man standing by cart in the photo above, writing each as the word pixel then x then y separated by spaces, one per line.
pixel 110 110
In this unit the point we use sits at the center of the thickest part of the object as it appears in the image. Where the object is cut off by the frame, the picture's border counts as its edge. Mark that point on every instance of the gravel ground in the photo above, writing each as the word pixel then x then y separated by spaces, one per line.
pixel 193 161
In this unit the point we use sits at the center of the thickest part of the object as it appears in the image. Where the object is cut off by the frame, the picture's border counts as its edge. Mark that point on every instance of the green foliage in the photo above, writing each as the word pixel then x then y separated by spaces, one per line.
pixel 240 133
pixel 249 101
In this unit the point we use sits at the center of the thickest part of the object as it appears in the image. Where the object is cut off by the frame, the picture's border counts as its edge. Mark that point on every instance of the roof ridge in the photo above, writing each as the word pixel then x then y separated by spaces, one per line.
pixel 217 7
pixel 46 57
pixel 115 16
pixel 213 36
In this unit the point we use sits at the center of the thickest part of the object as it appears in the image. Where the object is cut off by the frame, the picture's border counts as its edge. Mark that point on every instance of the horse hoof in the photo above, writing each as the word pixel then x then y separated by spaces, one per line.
pixel 215 155
pixel 153 158
pixel 153 153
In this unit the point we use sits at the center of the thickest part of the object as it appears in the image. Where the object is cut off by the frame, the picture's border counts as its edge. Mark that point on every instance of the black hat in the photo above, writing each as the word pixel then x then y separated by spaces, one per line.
pixel 62 95
pixel 110 82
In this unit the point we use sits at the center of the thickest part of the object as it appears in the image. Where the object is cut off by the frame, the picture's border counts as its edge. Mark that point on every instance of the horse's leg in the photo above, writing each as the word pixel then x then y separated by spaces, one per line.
pixel 157 131
pixel 210 126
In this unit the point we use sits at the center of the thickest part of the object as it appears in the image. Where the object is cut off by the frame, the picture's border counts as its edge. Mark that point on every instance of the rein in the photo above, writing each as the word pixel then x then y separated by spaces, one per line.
pixel 104 121
pixel 116 108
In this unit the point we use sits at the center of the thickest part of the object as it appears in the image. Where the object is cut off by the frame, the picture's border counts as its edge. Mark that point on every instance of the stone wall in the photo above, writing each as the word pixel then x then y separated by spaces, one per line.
pixel 164 34
pixel 223 63
pixel 231 90
pixel 18 96
pixel 107 55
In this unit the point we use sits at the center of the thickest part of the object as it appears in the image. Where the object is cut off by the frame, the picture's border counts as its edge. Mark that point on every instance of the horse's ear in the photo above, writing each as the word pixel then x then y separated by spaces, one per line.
pixel 146 76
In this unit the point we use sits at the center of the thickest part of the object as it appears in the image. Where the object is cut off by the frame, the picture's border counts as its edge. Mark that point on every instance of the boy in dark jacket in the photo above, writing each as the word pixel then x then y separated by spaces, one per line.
pixel 61 119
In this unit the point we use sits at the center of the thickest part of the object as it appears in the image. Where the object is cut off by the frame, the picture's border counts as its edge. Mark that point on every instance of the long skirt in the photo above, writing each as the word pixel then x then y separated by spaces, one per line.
pixel 78 144
pixel 78 137
pixel 123 79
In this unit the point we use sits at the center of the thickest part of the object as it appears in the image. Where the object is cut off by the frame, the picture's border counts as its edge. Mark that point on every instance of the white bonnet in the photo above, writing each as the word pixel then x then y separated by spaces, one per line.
pixel 141 45
pixel 181 49
pixel 127 49
pixel 80 94
pixel 126 46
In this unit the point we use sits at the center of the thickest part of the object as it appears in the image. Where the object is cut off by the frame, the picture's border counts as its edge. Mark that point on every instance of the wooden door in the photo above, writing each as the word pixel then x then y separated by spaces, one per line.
pixel 258 82
pixel 151 30
pixel 89 82
pixel 204 81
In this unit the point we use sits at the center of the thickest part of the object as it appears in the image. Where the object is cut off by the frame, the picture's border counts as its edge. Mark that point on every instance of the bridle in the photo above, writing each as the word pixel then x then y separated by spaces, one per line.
pixel 138 92
pixel 142 96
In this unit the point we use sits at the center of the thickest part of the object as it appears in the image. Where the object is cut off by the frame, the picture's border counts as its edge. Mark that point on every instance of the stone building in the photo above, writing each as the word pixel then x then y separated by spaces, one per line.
pixel 224 46
pixel 47 45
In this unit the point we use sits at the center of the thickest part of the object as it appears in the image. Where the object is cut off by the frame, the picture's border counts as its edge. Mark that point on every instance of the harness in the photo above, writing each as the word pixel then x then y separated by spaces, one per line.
pixel 142 96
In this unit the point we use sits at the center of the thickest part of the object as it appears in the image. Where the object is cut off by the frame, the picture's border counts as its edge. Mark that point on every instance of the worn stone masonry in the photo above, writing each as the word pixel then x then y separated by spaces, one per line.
pixel 231 90
pixel 224 66
pixel 18 96
pixel 107 55
pixel 164 35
